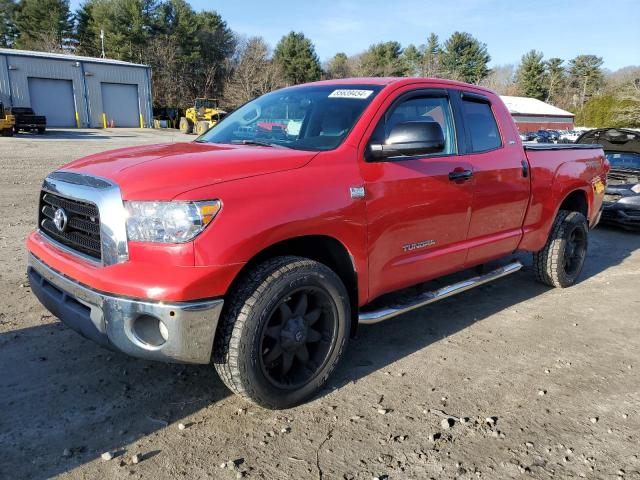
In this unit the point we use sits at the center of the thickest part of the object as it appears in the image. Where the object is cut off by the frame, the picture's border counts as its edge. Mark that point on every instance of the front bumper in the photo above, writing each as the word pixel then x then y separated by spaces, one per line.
pixel 129 325
pixel 621 214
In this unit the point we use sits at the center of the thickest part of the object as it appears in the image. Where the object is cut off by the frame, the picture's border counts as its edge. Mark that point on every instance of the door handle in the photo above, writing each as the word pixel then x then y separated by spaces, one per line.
pixel 525 168
pixel 460 175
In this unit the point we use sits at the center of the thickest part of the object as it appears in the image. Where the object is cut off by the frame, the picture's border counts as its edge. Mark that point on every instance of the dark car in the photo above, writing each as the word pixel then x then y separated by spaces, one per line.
pixel 622 196
pixel 27 120
pixel 543 136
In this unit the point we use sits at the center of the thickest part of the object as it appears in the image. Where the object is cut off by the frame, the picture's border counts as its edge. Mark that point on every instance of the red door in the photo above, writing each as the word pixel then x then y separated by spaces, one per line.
pixel 501 180
pixel 417 217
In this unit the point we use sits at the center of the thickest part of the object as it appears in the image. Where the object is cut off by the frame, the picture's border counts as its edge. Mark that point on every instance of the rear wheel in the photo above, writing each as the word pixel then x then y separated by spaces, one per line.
pixel 561 260
pixel 7 132
pixel 185 125
pixel 41 130
pixel 282 332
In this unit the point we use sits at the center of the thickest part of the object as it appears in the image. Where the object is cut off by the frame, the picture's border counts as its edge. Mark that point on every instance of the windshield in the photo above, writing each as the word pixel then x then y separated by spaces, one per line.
pixel 206 103
pixel 311 118
pixel 624 160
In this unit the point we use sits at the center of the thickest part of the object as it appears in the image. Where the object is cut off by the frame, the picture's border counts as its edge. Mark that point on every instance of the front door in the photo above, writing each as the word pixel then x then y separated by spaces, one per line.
pixel 417 215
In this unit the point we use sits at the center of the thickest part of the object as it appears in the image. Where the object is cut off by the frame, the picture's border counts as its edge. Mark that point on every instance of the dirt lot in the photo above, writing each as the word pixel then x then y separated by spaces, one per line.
pixel 556 370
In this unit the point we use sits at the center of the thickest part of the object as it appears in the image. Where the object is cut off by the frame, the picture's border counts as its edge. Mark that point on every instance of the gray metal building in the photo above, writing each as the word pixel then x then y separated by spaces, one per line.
pixel 74 91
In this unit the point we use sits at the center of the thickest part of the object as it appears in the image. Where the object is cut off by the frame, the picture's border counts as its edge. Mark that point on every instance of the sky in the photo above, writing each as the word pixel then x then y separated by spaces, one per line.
pixel 558 28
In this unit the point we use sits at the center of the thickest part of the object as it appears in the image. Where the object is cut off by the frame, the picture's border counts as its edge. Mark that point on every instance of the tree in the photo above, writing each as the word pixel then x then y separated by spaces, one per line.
pixel 465 58
pixel 585 77
pixel 501 80
pixel 627 113
pixel 383 60
pixel 45 25
pixel 556 79
pixel 8 29
pixel 412 60
pixel 531 78
pixel 297 58
pixel 126 25
pixel 338 66
pixel 431 57
pixel 251 72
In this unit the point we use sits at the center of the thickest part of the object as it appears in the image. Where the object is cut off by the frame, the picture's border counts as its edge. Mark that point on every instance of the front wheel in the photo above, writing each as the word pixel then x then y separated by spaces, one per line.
pixel 185 125
pixel 561 260
pixel 282 332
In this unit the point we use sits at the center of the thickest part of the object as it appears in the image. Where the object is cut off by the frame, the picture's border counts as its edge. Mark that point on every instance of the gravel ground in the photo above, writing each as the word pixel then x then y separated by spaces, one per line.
pixel 510 380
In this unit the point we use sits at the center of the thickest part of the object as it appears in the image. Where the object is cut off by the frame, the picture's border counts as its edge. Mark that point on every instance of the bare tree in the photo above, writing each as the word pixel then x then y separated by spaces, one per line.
pixel 629 111
pixel 501 80
pixel 252 72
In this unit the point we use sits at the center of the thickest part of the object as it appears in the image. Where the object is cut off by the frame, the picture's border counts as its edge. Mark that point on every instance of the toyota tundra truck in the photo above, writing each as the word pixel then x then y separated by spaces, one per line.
pixel 262 250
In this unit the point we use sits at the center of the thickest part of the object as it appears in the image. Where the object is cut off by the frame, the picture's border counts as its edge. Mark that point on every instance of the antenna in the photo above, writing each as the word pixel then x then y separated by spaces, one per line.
pixel 102 55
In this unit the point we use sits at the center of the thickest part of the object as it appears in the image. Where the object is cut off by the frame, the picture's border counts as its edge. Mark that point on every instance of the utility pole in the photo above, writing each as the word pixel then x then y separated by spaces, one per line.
pixel 102 55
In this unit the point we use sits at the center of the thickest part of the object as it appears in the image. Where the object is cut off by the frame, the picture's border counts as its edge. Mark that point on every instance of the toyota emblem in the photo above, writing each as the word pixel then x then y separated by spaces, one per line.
pixel 60 220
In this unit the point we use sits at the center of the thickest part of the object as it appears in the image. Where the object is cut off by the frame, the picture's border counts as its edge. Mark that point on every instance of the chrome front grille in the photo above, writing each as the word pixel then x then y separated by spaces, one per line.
pixel 81 229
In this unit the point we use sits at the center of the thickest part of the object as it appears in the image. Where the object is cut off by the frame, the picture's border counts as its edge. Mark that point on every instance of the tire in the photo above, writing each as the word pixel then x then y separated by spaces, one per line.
pixel 41 130
pixel 561 260
pixel 201 127
pixel 255 340
pixel 7 132
pixel 185 125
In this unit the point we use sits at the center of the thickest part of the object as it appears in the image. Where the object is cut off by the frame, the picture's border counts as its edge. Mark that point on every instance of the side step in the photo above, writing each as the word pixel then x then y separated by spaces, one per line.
pixel 375 316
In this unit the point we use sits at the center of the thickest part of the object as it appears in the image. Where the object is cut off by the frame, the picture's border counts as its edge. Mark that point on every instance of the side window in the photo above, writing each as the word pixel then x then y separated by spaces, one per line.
pixel 482 126
pixel 425 109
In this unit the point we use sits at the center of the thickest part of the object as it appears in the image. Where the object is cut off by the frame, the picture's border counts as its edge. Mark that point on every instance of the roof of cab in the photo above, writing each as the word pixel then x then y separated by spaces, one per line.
pixel 384 81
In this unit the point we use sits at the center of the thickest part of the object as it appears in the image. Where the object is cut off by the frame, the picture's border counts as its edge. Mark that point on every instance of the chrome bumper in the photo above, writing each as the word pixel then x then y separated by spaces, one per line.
pixel 129 325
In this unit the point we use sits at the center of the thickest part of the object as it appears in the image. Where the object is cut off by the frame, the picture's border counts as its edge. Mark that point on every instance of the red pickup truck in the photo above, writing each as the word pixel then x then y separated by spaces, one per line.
pixel 261 250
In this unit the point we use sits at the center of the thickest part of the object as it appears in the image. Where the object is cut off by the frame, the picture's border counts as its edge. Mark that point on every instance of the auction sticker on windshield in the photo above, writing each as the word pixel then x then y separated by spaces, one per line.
pixel 350 93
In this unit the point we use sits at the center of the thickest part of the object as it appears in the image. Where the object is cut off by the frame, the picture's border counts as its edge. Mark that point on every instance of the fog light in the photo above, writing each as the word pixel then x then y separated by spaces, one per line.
pixel 150 330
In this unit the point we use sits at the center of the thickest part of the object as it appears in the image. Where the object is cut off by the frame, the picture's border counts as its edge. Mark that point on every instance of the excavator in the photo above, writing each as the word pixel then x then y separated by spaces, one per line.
pixel 7 122
pixel 202 116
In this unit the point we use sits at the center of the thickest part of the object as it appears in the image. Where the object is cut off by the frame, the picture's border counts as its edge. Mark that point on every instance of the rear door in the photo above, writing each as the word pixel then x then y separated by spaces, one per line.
pixel 417 216
pixel 502 183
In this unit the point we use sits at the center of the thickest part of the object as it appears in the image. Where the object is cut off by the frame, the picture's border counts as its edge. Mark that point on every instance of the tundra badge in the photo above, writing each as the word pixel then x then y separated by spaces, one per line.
pixel 415 246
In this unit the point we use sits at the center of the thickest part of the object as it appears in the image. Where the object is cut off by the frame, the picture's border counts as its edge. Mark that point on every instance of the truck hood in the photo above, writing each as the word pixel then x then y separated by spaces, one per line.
pixel 161 172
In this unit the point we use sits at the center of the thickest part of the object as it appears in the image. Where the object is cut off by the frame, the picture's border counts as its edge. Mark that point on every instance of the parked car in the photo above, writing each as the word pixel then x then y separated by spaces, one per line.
pixel 527 136
pixel 27 120
pixel 622 195
pixel 555 135
pixel 570 136
pixel 543 136
pixel 264 254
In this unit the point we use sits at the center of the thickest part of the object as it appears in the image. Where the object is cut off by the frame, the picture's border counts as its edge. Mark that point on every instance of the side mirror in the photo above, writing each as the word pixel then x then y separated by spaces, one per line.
pixel 409 139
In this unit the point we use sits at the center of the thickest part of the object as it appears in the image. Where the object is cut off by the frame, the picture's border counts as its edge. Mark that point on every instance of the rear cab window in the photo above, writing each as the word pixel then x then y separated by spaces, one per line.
pixel 481 124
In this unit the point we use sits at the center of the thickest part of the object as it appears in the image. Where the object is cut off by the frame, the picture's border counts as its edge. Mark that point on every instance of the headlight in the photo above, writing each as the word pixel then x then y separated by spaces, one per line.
pixel 169 222
pixel 636 188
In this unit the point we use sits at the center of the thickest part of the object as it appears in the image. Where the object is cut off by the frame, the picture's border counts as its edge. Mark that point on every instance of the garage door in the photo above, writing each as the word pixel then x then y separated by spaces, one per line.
pixel 54 99
pixel 120 104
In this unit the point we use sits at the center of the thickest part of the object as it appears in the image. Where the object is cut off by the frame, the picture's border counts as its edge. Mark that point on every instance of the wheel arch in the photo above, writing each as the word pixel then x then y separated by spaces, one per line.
pixel 321 248
pixel 576 201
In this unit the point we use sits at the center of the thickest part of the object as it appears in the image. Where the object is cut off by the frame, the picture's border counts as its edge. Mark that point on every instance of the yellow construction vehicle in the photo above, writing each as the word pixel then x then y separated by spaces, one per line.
pixel 202 116
pixel 7 122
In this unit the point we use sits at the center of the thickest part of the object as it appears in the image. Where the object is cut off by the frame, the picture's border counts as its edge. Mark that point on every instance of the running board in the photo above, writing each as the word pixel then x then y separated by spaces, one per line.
pixel 375 316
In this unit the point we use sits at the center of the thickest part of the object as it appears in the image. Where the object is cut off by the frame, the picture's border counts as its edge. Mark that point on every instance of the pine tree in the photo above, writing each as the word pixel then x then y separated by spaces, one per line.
pixel 8 29
pixel 431 57
pixel 465 58
pixel 297 57
pixel 338 66
pixel 531 77
pixel 45 25
pixel 383 60
pixel 556 79
pixel 586 77
pixel 412 59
